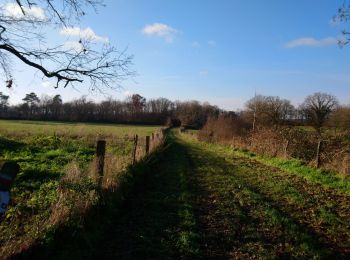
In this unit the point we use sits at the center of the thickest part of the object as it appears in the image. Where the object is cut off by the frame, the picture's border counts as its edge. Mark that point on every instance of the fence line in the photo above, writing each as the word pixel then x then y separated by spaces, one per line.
pixel 151 143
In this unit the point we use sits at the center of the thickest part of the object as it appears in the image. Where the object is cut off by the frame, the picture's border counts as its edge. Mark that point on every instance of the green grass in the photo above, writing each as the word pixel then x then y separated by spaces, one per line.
pixel 328 179
pixel 11 127
pixel 45 152
pixel 270 210
pixel 43 162
pixel 191 131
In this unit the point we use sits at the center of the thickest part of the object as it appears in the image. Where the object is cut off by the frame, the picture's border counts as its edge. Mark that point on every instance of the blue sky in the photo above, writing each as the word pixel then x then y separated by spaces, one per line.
pixel 217 51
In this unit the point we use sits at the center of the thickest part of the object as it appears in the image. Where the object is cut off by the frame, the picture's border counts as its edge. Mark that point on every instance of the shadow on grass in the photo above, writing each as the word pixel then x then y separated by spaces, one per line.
pixel 149 217
pixel 36 175
pixel 231 227
pixel 10 145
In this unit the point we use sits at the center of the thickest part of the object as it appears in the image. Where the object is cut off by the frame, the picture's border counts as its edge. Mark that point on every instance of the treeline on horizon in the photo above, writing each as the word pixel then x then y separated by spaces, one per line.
pixel 135 109
pixel 316 110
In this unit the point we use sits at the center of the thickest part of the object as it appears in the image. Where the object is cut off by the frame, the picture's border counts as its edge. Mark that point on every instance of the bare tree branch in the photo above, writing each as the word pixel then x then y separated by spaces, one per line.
pixel 22 35
pixel 344 16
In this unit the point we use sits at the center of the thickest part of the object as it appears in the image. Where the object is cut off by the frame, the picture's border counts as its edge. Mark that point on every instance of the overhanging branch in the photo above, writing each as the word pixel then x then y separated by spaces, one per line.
pixel 55 74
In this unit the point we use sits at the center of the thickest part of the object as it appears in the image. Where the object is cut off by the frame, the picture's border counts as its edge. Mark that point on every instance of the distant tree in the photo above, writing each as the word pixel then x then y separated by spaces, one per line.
pixel 45 104
pixel 138 102
pixel 57 100
pixel 269 110
pixel 159 105
pixel 56 106
pixel 3 102
pixel 30 105
pixel 82 109
pixel 193 114
pixel 104 110
pixel 317 108
pixel 31 99
pixel 340 117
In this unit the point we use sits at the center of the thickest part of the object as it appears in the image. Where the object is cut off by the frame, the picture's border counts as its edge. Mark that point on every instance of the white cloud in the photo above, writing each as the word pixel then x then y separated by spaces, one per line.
pixel 195 44
pixel 76 46
pixel 212 43
pixel 14 10
pixel 86 34
pixel 312 42
pixel 160 30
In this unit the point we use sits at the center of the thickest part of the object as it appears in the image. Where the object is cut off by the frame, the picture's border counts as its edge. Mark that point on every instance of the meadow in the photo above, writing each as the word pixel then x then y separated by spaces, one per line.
pixel 17 127
pixel 57 173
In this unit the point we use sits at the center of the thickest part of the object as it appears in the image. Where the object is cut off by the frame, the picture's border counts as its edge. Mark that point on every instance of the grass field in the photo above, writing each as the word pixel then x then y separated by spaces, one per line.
pixel 14 127
pixel 51 156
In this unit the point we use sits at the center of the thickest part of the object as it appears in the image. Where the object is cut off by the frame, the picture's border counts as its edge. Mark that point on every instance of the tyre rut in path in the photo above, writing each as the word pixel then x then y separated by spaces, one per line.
pixel 244 212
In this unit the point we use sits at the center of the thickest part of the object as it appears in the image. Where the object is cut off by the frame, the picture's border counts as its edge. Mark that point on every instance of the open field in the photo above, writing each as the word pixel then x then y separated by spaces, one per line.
pixel 55 157
pixel 17 127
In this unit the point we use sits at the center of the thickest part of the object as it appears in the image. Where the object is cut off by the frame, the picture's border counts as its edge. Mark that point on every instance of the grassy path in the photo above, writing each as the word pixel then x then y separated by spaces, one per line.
pixel 201 201
pixel 157 220
pixel 247 209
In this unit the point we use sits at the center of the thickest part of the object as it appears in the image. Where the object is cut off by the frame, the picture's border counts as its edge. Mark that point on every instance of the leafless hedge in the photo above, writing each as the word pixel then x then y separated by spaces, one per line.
pixel 283 141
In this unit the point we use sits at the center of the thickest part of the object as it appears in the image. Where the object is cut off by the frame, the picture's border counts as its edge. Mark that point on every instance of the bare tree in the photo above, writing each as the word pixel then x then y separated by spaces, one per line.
pixel 344 16
pixel 138 102
pixel 23 35
pixel 4 102
pixel 317 108
pixel 269 110
pixel 193 114
pixel 340 118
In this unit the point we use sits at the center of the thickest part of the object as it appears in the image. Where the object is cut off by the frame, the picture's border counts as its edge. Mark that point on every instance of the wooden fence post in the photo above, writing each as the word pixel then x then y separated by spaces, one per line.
pixel 152 142
pixel 100 159
pixel 286 149
pixel 147 144
pixel 134 151
pixel 318 153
